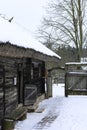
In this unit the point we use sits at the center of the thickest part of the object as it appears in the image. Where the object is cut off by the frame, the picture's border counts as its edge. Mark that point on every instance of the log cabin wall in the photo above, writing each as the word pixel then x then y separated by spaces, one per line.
pixel 1 93
pixel 10 84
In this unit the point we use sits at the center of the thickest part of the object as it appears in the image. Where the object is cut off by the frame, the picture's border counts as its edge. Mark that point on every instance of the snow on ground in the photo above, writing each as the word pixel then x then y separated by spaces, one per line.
pixel 60 113
pixel 58 90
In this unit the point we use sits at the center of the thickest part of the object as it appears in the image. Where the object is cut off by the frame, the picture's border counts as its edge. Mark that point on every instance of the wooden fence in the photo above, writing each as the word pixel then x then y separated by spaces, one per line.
pixel 76 79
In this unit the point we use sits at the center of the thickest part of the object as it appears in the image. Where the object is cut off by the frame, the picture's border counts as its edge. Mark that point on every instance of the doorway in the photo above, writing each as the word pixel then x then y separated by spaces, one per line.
pixel 20 85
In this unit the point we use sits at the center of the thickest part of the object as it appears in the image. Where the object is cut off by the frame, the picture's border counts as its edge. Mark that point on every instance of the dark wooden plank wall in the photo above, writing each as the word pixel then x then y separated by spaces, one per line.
pixel 1 93
pixel 11 98
pixel 9 87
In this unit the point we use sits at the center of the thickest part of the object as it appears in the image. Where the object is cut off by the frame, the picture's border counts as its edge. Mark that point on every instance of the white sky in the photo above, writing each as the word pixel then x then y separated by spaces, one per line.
pixel 25 12
pixel 18 36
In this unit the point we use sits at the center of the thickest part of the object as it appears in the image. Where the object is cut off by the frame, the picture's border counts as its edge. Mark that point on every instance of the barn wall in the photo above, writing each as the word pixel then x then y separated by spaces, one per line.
pixel 12 86
pixel 1 93
pixel 11 97
pixel 9 83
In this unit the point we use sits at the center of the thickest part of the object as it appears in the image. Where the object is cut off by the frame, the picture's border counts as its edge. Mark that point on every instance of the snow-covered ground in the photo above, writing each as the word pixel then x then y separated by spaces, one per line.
pixel 59 113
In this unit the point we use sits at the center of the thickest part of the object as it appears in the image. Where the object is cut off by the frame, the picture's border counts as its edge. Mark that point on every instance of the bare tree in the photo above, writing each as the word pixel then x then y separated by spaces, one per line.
pixel 66 23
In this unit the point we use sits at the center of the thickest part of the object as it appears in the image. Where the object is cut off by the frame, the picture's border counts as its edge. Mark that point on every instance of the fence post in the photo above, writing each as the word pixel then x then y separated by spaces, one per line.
pixel 49 85
pixel 66 88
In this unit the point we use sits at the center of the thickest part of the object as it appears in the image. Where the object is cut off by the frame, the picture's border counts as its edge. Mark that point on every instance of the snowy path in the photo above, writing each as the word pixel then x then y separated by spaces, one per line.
pixel 73 114
pixel 45 122
pixel 60 113
pixel 51 114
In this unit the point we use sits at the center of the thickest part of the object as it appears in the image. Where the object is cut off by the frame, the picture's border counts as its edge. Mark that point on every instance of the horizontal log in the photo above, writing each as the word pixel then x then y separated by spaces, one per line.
pixel 17 113
pixel 76 92
pixel 80 74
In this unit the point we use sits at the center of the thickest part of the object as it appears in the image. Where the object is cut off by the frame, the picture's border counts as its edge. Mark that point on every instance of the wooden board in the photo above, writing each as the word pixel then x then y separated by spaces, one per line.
pixel 30 94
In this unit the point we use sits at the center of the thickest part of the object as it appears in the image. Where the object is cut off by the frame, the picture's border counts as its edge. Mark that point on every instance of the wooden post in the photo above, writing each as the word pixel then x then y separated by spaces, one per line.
pixel 66 88
pixel 49 85
pixel 8 124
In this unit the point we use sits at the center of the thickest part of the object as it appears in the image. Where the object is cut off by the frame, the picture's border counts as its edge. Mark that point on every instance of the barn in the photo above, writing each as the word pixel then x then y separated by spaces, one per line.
pixel 22 68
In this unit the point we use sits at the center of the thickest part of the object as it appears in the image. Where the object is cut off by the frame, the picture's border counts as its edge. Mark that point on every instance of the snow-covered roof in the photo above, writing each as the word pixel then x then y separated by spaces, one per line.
pixel 76 63
pixel 11 32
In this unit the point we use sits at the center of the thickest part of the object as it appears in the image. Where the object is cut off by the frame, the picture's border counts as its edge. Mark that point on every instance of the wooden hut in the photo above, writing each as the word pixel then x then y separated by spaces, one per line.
pixel 22 68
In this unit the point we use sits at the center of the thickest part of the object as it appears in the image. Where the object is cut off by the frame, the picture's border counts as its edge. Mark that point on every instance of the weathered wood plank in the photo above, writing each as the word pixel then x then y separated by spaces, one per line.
pixel 17 113
pixel 75 79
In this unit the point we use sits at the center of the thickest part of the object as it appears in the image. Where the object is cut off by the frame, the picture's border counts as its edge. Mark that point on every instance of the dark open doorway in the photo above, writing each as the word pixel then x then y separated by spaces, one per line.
pixel 20 85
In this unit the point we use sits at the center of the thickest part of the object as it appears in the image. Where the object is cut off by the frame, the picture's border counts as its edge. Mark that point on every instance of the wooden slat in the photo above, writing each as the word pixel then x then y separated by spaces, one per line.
pixel 30 94
pixel 75 83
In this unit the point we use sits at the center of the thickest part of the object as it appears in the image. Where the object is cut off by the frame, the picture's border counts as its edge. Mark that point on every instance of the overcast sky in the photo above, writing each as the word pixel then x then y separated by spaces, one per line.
pixel 25 12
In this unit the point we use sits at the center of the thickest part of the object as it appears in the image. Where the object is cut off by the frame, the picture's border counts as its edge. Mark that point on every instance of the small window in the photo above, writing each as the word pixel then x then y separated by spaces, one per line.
pixel 39 70
pixel 32 73
pixel 15 81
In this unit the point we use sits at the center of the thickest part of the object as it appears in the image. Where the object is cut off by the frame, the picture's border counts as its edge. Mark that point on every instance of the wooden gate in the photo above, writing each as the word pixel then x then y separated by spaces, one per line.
pixel 30 94
pixel 75 80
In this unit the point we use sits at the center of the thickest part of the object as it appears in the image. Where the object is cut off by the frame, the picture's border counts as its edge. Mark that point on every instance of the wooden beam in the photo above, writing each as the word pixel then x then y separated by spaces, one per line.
pixel 10 50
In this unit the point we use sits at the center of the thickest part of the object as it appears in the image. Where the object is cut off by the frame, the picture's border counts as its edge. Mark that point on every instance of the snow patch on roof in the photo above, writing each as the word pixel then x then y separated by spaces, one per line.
pixel 76 63
pixel 18 36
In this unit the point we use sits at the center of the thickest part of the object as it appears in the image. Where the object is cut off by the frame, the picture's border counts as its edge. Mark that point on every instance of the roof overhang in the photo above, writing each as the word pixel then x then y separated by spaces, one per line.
pixel 14 51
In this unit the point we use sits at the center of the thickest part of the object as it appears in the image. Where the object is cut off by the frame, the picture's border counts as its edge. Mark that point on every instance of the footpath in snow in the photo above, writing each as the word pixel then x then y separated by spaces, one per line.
pixel 59 113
